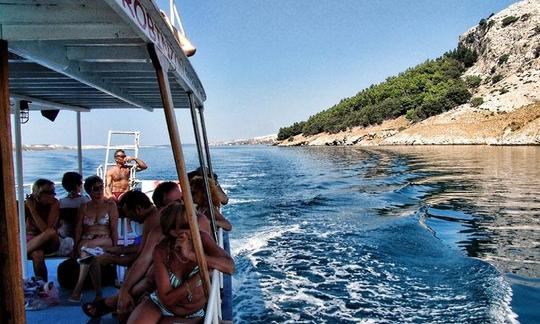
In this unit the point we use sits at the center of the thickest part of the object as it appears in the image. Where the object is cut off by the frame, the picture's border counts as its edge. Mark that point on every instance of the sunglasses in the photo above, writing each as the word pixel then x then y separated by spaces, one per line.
pixel 120 156
pixel 97 188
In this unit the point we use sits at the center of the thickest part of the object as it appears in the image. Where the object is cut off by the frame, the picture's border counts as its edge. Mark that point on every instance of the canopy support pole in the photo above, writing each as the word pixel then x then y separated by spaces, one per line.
pixel 205 140
pixel 202 162
pixel 79 143
pixel 20 184
pixel 161 67
pixel 12 301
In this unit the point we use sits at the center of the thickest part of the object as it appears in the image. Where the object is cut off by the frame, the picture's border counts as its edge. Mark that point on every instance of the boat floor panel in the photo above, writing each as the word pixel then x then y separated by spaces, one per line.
pixel 67 312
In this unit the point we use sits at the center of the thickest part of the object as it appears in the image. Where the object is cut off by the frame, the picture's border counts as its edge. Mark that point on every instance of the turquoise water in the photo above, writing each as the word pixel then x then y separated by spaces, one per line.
pixel 403 234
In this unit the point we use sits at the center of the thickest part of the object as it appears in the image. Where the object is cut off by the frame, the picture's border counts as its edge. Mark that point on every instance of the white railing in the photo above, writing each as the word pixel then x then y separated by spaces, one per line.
pixel 174 16
pixel 213 308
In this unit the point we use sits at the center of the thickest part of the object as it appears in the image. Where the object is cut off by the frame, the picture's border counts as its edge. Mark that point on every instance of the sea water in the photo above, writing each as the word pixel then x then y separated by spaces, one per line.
pixel 445 234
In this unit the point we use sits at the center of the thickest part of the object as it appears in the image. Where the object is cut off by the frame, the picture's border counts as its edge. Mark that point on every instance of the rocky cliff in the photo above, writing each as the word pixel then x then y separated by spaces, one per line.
pixel 504 82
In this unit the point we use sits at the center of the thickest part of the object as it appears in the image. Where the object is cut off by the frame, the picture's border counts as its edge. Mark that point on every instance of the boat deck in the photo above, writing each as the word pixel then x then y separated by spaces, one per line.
pixel 67 312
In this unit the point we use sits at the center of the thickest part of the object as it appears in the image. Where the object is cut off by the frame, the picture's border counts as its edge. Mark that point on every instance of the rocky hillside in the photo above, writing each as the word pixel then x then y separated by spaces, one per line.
pixel 505 86
pixel 508 47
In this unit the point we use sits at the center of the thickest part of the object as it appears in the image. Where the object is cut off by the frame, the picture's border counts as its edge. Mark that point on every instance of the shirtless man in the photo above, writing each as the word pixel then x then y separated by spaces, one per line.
pixel 118 176
pixel 137 207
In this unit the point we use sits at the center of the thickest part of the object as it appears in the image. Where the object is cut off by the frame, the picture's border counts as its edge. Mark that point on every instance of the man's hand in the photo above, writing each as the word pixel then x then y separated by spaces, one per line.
pixel 125 302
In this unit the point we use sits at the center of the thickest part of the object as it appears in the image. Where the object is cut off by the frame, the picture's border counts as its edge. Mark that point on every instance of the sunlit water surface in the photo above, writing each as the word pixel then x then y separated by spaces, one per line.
pixel 397 234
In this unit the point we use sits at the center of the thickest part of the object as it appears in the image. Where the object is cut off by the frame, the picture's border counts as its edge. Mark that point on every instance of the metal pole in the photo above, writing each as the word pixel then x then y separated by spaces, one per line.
pixel 79 143
pixel 20 184
pixel 168 109
pixel 205 141
pixel 12 301
pixel 171 12
pixel 203 165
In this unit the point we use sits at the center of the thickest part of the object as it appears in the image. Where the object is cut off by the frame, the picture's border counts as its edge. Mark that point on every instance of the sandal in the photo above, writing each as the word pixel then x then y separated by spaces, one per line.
pixel 96 308
pixel 73 299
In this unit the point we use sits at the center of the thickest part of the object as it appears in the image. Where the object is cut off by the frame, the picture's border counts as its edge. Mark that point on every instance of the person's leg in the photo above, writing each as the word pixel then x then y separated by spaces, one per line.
pixel 39 240
pixel 146 285
pixel 38 262
pixel 146 312
pixel 83 272
pixel 123 260
pixel 95 275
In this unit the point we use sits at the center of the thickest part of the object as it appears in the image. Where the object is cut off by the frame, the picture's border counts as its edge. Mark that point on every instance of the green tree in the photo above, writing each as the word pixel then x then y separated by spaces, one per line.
pixel 428 89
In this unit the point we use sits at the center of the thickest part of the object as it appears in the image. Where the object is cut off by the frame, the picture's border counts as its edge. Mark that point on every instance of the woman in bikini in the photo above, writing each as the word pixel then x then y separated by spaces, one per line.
pixel 179 297
pixel 96 227
pixel 41 212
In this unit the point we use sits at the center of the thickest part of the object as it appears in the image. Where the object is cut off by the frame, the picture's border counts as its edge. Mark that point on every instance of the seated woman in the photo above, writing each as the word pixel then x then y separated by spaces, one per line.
pixel 179 295
pixel 97 226
pixel 198 192
pixel 41 213
pixel 69 206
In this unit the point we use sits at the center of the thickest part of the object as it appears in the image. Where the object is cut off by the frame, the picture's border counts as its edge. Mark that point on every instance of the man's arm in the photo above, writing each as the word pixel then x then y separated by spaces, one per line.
pixel 137 270
pixel 149 224
pixel 141 265
pixel 108 187
pixel 141 165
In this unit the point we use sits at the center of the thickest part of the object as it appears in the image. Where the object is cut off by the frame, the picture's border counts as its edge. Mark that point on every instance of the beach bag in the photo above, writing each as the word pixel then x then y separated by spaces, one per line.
pixel 39 294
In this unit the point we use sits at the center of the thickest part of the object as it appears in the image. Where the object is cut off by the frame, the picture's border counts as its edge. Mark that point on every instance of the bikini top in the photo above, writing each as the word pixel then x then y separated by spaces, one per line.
pixel 102 220
pixel 176 282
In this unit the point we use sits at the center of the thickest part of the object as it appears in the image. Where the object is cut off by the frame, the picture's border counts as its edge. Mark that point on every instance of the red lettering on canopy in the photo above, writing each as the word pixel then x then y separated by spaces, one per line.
pixel 151 30
pixel 129 5
pixel 137 4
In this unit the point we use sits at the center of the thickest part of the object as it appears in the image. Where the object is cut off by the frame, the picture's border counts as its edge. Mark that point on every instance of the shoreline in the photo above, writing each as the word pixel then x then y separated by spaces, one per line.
pixel 461 126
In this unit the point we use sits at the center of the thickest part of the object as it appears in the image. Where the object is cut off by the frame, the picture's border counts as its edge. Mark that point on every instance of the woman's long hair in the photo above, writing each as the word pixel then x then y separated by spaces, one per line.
pixel 197 185
pixel 173 217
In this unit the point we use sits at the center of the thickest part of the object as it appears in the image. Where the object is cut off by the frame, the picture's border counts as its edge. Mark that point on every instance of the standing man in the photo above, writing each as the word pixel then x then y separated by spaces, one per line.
pixel 117 177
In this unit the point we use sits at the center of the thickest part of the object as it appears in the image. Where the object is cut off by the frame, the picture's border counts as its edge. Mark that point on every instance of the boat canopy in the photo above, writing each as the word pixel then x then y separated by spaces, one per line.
pixel 80 55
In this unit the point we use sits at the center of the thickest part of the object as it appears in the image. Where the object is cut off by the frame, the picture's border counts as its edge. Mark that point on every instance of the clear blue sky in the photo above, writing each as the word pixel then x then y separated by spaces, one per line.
pixel 268 63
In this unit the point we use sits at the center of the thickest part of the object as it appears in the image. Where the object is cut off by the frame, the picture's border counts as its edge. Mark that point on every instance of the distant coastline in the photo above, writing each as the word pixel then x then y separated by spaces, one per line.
pixel 58 147
pixel 260 140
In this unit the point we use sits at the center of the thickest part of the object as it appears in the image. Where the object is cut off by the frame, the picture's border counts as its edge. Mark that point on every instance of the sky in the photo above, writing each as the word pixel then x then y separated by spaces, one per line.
pixel 265 64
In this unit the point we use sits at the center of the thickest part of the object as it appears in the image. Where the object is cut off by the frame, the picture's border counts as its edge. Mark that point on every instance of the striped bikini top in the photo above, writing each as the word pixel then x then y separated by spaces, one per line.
pixel 176 282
